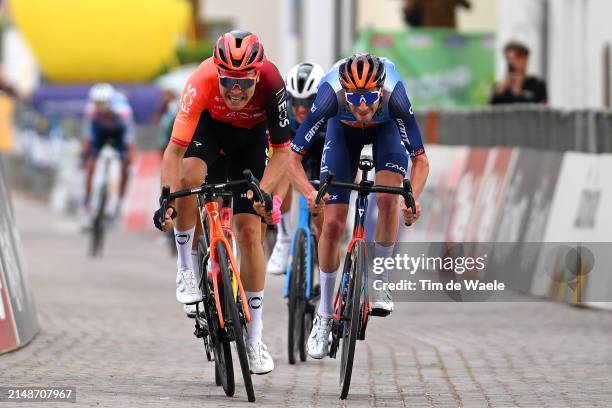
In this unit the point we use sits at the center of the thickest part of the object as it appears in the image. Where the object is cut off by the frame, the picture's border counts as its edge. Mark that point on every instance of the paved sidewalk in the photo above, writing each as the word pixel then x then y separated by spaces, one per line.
pixel 112 328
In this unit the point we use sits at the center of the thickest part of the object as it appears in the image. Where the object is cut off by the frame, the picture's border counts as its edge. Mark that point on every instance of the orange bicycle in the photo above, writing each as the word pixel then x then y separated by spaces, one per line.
pixel 225 312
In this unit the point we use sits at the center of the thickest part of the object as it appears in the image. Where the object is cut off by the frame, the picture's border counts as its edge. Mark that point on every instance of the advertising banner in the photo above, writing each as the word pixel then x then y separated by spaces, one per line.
pixel 18 322
pixel 579 214
pixel 441 68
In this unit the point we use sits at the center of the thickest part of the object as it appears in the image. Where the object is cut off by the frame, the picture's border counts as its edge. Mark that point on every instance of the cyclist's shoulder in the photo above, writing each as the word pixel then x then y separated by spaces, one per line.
pixel 204 75
pixel 270 79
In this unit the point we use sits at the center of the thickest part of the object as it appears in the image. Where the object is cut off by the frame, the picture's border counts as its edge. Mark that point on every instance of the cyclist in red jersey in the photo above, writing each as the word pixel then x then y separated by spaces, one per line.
pixel 228 106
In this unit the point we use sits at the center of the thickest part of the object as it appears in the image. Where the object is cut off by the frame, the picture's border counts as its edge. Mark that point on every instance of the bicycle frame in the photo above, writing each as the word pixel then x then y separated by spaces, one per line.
pixel 358 235
pixel 105 180
pixel 215 225
pixel 304 225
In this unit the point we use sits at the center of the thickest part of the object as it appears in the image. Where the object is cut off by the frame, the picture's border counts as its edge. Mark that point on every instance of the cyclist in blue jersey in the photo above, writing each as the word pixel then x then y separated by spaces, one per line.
pixel 302 82
pixel 108 119
pixel 362 100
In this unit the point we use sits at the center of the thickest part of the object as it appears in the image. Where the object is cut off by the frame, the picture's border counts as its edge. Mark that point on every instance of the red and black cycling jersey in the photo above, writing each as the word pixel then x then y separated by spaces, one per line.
pixel 201 93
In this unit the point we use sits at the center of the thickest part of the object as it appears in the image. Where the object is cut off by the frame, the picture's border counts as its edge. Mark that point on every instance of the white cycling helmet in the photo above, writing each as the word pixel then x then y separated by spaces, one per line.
pixel 101 92
pixel 303 80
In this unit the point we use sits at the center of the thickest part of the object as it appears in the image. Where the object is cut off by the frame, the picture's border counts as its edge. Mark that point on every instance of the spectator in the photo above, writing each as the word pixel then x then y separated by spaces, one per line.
pixel 517 86
pixel 433 13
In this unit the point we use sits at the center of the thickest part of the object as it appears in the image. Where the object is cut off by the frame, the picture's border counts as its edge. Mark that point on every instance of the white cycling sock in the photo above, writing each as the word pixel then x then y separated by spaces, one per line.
pixel 381 251
pixel 184 240
pixel 282 231
pixel 194 259
pixel 255 326
pixel 328 283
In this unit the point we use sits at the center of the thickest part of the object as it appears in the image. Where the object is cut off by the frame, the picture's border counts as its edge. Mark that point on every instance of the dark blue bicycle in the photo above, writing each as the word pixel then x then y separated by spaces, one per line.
pixel 352 303
pixel 301 291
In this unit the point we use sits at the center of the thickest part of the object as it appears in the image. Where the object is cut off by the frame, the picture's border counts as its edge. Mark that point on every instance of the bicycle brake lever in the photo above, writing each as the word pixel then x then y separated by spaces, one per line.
pixel 324 187
pixel 165 194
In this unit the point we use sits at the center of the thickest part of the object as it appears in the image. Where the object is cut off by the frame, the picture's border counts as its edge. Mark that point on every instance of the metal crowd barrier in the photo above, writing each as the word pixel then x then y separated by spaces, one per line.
pixel 532 126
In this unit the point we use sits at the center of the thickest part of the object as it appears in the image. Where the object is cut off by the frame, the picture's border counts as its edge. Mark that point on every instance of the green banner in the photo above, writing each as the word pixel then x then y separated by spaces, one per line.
pixel 441 68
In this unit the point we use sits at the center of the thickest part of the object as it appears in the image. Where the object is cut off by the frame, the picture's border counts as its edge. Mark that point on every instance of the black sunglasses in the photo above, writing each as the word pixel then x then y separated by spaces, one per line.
pixel 243 83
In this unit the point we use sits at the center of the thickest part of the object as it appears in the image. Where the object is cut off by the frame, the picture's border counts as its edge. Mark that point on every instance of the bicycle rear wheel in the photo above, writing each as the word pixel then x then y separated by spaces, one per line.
pixel 350 316
pixel 233 320
pixel 296 299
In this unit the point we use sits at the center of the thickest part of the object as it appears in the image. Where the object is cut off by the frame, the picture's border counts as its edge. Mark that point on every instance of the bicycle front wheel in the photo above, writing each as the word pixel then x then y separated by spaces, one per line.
pixel 224 369
pixel 233 320
pixel 296 298
pixel 97 231
pixel 350 316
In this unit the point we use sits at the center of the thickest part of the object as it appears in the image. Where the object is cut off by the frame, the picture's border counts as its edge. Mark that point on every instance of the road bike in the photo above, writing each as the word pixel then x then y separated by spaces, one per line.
pixel 224 313
pixel 104 195
pixel 300 290
pixel 352 307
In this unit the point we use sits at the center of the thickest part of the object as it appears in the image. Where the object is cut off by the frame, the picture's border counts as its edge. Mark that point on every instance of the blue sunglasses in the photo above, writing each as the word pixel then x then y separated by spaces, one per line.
pixel 356 98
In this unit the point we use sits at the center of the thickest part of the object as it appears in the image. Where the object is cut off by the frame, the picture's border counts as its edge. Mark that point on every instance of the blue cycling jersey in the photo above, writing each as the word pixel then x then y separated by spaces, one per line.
pixel 331 103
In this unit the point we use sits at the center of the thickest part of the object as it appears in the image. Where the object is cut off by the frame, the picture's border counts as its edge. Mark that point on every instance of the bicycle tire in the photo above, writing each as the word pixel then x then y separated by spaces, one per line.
pixel 309 304
pixel 224 367
pixel 353 304
pixel 234 321
pixel 97 231
pixel 296 315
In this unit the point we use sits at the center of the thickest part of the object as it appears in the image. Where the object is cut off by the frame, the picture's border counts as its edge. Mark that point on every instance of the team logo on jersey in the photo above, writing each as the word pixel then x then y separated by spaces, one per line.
pixel 326 147
pixel 313 130
pixel 283 115
pixel 186 102
pixel 395 166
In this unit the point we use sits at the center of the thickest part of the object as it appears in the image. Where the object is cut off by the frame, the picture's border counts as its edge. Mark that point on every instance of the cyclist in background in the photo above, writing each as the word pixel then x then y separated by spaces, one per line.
pixel 301 82
pixel 363 100
pixel 108 118
pixel 228 106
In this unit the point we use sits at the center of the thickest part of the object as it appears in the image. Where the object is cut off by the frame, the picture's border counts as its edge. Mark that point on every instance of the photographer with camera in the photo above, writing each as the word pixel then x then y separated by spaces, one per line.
pixel 517 86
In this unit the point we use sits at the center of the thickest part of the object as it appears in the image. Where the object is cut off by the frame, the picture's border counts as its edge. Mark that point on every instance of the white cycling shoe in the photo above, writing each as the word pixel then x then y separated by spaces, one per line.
pixel 318 341
pixel 260 361
pixel 277 264
pixel 187 287
pixel 382 303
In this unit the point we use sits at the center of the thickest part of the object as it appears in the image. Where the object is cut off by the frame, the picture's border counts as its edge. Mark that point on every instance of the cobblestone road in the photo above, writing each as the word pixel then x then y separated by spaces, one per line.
pixel 112 328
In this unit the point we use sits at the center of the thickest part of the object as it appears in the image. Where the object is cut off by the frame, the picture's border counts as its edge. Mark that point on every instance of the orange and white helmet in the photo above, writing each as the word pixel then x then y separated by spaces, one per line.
pixel 239 51
pixel 362 71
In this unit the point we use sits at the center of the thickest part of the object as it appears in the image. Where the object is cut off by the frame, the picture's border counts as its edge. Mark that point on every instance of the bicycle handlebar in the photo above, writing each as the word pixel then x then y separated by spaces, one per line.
pixel 366 187
pixel 249 179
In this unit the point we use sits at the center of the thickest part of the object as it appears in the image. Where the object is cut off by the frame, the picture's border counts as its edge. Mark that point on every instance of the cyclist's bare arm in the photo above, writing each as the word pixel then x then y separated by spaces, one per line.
pixel 275 170
pixel 298 176
pixel 418 174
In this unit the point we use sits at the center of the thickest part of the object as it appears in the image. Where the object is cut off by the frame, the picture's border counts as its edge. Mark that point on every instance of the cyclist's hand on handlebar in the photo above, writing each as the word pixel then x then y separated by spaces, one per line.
pixel 169 219
pixel 311 202
pixel 410 218
pixel 270 217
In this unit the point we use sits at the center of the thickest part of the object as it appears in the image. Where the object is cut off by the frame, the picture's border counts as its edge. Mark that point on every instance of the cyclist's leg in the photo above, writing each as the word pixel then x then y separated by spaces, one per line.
pixel 341 158
pixel 248 151
pixel 96 144
pixel 203 149
pixel 391 161
pixel 277 264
